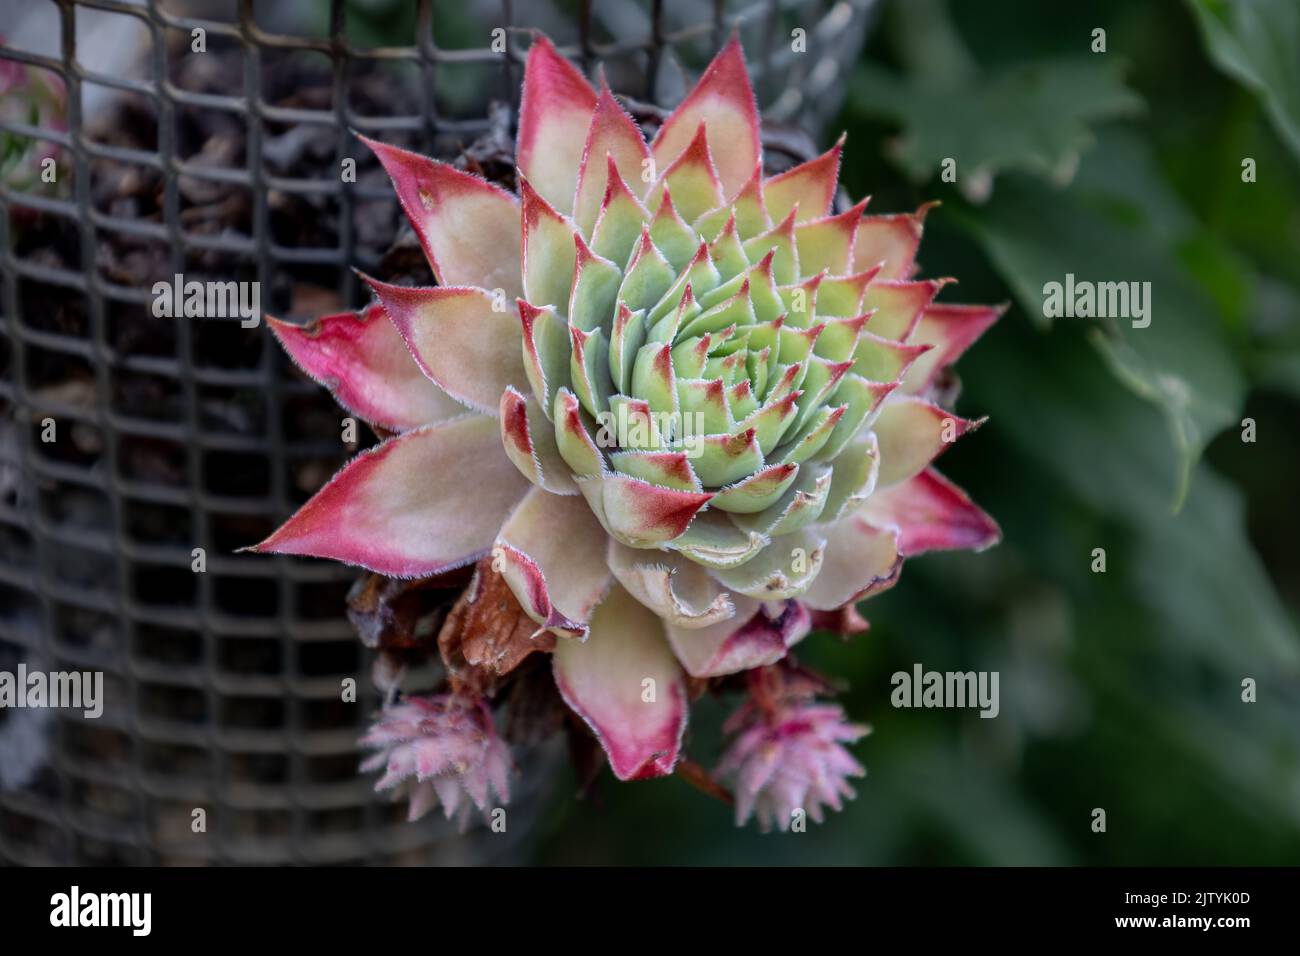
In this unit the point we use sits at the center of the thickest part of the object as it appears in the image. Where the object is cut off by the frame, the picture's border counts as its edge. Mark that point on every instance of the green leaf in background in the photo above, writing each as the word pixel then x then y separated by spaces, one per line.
pixel 1187 590
pixel 1032 116
pixel 1195 569
pixel 1257 43
pixel 1126 229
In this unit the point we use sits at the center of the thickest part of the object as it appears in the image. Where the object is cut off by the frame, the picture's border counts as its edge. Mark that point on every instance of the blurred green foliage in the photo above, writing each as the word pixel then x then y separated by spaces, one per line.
pixel 1033 114
pixel 1254 42
pixel 1120 690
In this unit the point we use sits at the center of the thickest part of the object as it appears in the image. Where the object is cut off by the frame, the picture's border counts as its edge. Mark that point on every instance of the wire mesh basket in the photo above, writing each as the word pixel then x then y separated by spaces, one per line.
pixel 206 139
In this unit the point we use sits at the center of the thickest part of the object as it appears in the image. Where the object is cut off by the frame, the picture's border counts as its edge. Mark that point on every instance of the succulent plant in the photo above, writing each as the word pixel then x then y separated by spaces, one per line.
pixel 683 406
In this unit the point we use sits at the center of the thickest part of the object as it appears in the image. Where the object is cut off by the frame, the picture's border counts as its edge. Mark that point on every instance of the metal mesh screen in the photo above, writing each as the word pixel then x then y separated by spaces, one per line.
pixel 223 687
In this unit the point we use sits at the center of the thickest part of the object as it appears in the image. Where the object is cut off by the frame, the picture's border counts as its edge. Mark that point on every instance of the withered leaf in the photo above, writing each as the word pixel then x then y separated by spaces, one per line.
pixel 487 633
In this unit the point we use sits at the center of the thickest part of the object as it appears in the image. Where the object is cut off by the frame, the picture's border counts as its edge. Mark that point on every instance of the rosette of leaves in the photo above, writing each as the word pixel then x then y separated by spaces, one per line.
pixel 685 407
